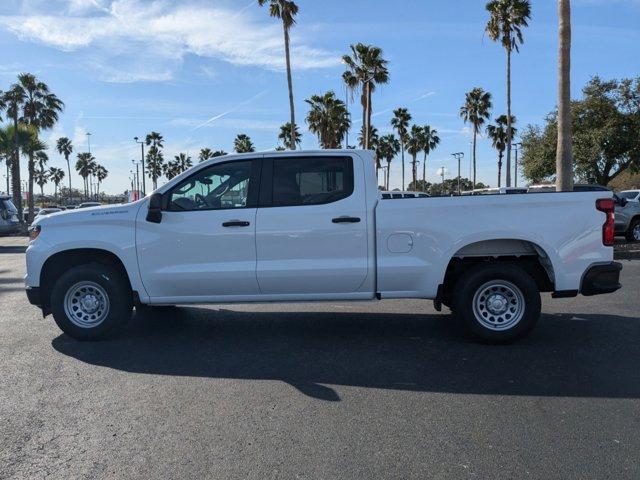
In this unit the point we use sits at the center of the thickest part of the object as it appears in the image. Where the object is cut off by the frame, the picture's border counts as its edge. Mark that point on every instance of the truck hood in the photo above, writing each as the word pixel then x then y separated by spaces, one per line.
pixel 91 215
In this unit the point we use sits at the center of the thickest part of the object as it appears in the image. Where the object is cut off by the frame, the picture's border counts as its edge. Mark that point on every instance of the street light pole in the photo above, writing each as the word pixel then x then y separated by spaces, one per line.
pixel 89 142
pixel 144 187
pixel 458 156
pixel 516 146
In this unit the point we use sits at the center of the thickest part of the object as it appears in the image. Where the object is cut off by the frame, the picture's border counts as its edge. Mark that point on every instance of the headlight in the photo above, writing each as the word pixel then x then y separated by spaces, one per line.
pixel 34 231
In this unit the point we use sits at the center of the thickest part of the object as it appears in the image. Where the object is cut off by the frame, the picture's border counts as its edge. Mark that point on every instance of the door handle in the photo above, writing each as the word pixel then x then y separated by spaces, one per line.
pixel 346 220
pixel 236 223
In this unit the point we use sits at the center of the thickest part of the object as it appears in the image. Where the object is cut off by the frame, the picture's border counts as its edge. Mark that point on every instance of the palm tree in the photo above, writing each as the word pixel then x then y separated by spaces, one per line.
pixel 366 68
pixel 6 149
pixel 373 137
pixel 56 175
pixel 155 163
pixel 154 139
pixel 388 148
pixel 400 123
pixel 219 153
pixel 498 135
pixel 430 140
pixel 205 154
pixel 23 134
pixel 41 177
pixel 564 167
pixel 328 118
pixel 476 110
pixel 34 150
pixel 243 144
pixel 14 99
pixel 179 164
pixel 506 21
pixel 85 164
pixel 65 148
pixel 287 139
pixel 40 110
pixel 101 173
pixel 414 147
pixel 286 10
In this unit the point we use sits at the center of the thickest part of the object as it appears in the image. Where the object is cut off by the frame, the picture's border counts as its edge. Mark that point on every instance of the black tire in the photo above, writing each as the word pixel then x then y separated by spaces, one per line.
pixel 118 292
pixel 631 235
pixel 512 287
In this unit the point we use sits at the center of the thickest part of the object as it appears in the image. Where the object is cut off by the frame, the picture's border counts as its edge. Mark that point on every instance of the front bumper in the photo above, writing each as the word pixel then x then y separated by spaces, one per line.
pixel 600 279
pixel 33 295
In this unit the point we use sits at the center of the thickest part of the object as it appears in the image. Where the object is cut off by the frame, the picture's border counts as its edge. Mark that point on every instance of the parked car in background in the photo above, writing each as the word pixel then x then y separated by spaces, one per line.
pixel 398 194
pixel 9 221
pixel 25 213
pixel 47 211
pixel 630 195
pixel 89 204
pixel 312 226
pixel 495 191
pixel 578 187
pixel 627 218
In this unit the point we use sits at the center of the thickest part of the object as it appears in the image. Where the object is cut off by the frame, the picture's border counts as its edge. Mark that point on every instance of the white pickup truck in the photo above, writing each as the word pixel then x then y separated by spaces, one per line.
pixel 312 226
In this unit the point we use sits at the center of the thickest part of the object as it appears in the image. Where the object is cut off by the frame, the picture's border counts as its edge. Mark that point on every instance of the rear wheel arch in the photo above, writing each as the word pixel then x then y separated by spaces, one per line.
pixel 523 253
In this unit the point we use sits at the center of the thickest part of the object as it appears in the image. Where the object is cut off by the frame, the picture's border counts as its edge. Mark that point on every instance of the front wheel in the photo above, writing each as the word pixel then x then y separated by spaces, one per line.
pixel 498 303
pixel 91 302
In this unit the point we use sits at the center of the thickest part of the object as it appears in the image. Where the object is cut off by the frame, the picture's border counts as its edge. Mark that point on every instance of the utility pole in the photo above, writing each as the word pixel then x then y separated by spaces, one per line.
pixel 458 156
pixel 516 147
pixel 144 187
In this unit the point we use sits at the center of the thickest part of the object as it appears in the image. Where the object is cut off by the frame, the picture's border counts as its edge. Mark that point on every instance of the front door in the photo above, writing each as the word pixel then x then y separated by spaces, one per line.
pixel 204 247
pixel 311 227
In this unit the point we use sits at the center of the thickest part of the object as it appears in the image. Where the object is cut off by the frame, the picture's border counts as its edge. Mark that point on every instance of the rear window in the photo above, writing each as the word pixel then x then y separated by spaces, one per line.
pixel 628 195
pixel 311 181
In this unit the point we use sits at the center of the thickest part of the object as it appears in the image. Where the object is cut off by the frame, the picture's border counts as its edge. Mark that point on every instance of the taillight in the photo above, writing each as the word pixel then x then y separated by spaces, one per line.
pixel 607 206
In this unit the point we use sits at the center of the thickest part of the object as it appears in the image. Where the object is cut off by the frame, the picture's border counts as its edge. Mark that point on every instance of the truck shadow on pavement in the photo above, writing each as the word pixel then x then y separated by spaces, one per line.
pixel 567 355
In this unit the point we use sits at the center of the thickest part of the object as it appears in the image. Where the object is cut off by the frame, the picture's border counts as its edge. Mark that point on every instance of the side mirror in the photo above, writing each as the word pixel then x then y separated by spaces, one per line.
pixel 154 215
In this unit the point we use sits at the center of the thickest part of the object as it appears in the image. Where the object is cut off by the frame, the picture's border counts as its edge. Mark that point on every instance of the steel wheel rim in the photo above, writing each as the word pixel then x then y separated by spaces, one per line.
pixel 498 305
pixel 86 304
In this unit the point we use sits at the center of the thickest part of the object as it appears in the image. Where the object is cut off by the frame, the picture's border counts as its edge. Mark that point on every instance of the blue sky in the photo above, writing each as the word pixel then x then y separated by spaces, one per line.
pixel 201 71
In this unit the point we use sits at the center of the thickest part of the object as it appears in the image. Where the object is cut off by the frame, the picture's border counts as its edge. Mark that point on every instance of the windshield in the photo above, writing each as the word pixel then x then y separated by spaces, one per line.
pixel 8 204
pixel 629 195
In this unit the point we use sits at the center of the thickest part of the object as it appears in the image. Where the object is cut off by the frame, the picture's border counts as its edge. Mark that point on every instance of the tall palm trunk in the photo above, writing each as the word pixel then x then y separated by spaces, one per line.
pixel 15 171
pixel 367 131
pixel 508 173
pixel 290 84
pixel 475 134
pixel 402 153
pixel 388 172
pixel 500 153
pixel 30 203
pixel 414 170
pixel 564 167
pixel 66 157
pixel 424 172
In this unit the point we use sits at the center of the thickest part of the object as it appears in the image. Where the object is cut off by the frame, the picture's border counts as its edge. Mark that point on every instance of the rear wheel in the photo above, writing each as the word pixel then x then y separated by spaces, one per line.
pixel 91 302
pixel 498 303
pixel 633 233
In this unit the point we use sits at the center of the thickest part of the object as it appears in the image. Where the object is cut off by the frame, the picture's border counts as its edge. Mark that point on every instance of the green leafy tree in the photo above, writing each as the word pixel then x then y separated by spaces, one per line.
pixel 366 68
pixel 606 135
pixel 287 138
pixel 41 177
pixel 154 157
pixel 14 99
pixel 476 110
pixel 101 174
pixel 205 154
pixel 286 10
pixel 498 135
pixel 400 123
pixel 329 119
pixel 243 144
pixel 507 19
pixel 180 163
pixel 85 164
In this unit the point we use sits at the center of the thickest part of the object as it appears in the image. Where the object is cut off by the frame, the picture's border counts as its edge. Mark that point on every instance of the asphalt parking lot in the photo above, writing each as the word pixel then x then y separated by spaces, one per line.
pixel 320 391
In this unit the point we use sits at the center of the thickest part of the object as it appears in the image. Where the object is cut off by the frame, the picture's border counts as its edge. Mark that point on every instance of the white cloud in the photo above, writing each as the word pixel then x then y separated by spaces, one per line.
pixel 164 32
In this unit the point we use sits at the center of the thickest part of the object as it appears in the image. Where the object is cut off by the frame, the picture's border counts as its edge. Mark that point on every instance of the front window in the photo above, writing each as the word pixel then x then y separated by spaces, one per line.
pixel 221 186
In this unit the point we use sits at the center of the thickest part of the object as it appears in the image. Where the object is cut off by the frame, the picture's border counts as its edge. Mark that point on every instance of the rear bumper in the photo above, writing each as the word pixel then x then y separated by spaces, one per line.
pixel 600 279
pixel 33 295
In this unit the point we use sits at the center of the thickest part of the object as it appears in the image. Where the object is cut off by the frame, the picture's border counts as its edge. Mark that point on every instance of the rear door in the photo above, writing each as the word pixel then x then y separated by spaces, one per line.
pixel 311 225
